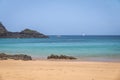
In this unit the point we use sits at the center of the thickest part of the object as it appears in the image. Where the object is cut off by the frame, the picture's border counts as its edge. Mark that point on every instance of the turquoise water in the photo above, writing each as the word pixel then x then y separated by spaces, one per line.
pixel 82 47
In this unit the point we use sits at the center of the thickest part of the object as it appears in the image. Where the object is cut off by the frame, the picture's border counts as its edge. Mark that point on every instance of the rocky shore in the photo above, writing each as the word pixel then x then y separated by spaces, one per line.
pixel 4 56
pixel 52 56
pixel 26 33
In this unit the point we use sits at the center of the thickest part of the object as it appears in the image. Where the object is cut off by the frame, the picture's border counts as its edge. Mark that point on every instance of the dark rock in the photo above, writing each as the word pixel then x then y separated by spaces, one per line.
pixel 3 30
pixel 21 57
pixel 52 56
pixel 27 33
pixel 4 56
pixel 31 33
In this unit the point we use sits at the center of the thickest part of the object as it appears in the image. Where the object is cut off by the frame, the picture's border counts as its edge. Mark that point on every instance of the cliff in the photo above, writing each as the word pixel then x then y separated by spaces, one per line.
pixel 3 30
pixel 27 33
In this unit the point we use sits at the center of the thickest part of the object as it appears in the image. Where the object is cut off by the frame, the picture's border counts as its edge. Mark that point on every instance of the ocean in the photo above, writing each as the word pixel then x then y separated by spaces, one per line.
pixel 99 48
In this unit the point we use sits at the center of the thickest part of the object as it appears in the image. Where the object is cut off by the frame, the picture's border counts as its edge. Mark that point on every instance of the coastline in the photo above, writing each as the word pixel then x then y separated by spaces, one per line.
pixel 58 70
pixel 4 56
pixel 85 59
pixel 100 47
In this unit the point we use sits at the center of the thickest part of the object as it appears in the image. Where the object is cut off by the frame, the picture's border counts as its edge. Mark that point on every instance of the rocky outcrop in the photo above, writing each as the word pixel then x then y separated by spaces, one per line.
pixel 27 33
pixel 4 56
pixel 3 30
pixel 52 56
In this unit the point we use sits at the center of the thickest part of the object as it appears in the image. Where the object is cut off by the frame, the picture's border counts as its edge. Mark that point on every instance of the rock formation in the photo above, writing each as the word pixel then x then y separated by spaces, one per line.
pixel 4 56
pixel 27 33
pixel 52 56
pixel 3 30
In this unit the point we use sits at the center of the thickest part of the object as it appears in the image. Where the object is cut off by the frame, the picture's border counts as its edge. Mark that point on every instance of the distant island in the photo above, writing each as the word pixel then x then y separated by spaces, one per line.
pixel 26 33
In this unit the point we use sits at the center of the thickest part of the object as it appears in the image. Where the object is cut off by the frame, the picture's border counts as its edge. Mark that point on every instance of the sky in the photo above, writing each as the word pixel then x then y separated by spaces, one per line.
pixel 62 17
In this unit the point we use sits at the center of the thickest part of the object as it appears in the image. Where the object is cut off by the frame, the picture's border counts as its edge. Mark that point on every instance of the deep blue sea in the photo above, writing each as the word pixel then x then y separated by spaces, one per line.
pixel 83 47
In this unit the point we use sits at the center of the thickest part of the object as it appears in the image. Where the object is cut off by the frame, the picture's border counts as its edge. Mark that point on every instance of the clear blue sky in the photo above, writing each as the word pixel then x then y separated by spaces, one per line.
pixel 62 17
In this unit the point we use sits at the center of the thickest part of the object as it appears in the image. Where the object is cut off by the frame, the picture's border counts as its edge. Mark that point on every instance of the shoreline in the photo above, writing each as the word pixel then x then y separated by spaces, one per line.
pixel 79 59
pixel 64 58
pixel 64 61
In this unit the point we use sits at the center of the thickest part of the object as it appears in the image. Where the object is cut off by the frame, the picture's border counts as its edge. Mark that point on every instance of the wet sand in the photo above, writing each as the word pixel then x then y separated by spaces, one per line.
pixel 58 70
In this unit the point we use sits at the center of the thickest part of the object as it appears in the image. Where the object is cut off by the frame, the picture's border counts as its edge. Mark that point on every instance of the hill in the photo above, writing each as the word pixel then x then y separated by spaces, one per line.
pixel 26 33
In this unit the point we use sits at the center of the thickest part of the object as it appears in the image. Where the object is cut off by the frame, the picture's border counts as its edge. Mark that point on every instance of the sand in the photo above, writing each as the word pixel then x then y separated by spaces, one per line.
pixel 59 70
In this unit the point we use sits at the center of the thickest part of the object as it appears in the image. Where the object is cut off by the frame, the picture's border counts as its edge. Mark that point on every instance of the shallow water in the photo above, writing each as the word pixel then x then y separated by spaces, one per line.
pixel 82 47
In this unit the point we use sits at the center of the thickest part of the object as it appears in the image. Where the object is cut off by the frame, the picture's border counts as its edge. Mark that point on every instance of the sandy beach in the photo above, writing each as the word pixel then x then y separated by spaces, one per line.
pixel 58 70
